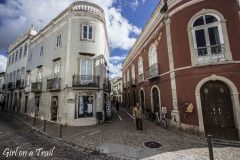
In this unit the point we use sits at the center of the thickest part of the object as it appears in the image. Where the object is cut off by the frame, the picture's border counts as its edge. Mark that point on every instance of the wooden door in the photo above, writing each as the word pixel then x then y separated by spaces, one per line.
pixel 218 110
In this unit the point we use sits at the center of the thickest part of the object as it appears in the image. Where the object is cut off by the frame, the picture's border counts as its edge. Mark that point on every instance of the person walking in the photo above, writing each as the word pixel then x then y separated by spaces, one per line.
pixel 138 114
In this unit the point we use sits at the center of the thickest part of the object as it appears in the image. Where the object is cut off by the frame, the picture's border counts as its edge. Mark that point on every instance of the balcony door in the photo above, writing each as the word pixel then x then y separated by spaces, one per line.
pixel 86 71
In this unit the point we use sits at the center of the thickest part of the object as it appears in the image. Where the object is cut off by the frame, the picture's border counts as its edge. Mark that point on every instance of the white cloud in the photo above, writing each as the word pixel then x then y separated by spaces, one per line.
pixel 16 17
pixel 117 59
pixel 3 63
pixel 115 70
pixel 134 4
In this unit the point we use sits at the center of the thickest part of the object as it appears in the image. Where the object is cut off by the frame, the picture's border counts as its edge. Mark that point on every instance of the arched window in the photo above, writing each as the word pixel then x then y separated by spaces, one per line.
pixel 18 74
pixel 124 80
pixel 16 58
pixel 208 37
pixel 13 58
pixel 20 53
pixel 133 73
pixel 140 70
pixel 9 60
pixel 128 77
pixel 152 55
pixel 25 50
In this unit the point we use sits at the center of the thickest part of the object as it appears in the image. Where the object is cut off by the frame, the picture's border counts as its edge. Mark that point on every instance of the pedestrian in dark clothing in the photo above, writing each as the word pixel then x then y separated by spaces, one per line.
pixel 117 106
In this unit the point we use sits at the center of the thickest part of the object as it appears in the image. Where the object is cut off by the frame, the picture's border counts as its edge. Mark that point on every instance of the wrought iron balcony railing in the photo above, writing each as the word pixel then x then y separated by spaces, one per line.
pixel 54 84
pixel 140 78
pixel 107 87
pixel 152 71
pixel 85 81
pixel 20 84
pixel 36 87
pixel 212 53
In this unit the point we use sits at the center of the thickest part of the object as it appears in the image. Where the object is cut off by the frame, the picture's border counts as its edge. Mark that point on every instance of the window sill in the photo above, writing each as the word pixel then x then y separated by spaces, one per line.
pixel 213 63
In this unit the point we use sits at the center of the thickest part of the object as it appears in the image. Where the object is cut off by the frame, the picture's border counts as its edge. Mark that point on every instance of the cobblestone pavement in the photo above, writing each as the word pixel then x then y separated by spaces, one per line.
pixel 120 139
pixel 15 136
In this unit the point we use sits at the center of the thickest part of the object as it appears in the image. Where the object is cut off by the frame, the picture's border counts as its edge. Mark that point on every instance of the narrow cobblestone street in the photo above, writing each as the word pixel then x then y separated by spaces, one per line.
pixel 14 135
pixel 120 139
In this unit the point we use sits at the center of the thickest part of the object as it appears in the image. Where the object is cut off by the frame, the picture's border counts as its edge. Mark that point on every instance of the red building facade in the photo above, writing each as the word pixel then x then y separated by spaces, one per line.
pixel 187 59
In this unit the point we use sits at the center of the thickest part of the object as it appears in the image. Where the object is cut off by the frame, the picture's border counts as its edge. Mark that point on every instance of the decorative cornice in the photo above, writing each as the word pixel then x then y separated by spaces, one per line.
pixel 79 6
pixel 22 39
pixel 151 24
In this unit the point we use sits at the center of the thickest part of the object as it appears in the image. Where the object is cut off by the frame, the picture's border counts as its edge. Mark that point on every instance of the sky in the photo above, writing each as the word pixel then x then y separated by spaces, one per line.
pixel 125 20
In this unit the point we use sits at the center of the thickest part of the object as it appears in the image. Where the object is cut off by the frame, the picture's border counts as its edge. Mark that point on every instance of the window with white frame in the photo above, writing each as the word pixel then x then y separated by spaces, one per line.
pixel 41 50
pixel 13 55
pixel 140 69
pixel 140 66
pixel 39 75
pixel 87 32
pixel 16 56
pixel 9 60
pixel 14 77
pixel 59 40
pixel 152 55
pixel 18 74
pixel 124 79
pixel 28 79
pixel 22 73
pixel 133 73
pixel 128 76
pixel 20 53
pixel 25 50
pixel 208 38
pixel 86 69
pixel 56 69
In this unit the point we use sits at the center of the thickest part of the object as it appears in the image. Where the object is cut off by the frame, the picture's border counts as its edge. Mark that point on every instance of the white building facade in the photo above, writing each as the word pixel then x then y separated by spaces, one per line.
pixel 116 89
pixel 67 67
pixel 14 81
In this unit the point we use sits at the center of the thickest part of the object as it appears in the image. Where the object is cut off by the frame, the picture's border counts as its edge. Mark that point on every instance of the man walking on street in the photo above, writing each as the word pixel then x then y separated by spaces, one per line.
pixel 137 114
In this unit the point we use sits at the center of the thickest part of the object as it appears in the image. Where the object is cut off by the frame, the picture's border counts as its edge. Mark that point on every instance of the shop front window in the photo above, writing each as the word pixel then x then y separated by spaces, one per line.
pixel 85 106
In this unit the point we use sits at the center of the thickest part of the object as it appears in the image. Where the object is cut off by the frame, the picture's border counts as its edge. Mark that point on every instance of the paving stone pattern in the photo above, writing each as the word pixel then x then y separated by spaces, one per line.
pixel 14 133
pixel 120 139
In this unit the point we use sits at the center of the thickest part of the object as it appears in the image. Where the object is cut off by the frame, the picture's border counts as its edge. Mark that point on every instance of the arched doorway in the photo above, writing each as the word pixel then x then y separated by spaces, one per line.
pixel 217 109
pixel 155 100
pixel 142 100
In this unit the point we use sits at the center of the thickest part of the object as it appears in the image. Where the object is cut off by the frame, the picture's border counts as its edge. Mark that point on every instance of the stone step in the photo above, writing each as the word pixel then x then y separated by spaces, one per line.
pixel 226 142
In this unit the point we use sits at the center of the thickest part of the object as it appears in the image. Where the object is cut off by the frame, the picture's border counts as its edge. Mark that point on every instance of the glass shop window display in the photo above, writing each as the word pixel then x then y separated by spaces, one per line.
pixel 85 106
